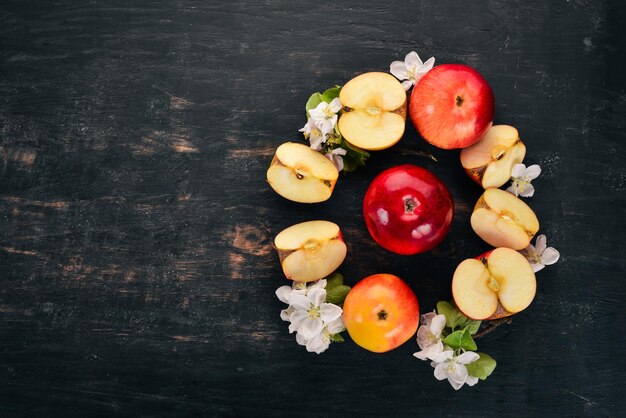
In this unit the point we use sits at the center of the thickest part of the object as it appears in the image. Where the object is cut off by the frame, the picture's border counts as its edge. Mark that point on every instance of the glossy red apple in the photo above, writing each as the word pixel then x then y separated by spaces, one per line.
pixel 452 106
pixel 407 209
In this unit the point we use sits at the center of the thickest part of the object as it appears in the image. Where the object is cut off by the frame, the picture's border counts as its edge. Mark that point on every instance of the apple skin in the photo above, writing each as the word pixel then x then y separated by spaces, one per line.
pixel 381 312
pixel 408 210
pixel 452 106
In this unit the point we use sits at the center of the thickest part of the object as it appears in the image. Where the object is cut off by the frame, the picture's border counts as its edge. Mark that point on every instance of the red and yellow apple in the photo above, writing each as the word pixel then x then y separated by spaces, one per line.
pixel 381 312
pixel 311 250
pixel 374 111
pixel 301 174
pixel 503 220
pixel 452 106
pixel 489 162
pixel 496 284
pixel 407 209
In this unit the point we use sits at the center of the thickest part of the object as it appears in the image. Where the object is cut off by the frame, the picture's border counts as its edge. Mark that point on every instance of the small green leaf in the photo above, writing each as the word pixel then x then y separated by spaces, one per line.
pixel 338 294
pixel 471 326
pixel 460 339
pixel 314 100
pixel 354 158
pixel 336 338
pixel 331 94
pixel 333 281
pixel 482 367
pixel 451 313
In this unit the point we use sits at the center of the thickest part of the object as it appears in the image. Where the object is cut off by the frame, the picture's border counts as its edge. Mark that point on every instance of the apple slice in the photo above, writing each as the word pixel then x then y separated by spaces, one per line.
pixel 500 283
pixel 503 220
pixel 301 174
pixel 374 111
pixel 490 161
pixel 311 250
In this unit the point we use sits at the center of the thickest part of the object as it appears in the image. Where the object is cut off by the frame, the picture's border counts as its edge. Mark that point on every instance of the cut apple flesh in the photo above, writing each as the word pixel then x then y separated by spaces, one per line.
pixel 374 111
pixel 503 220
pixel 490 161
pixel 311 250
pixel 501 285
pixel 301 174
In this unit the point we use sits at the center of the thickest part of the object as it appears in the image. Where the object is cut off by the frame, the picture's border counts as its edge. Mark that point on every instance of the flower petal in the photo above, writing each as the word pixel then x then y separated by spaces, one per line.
pixel 310 327
pixel 320 284
pixel 286 313
pixel 441 371
pixel 427 318
pixel 443 356
pixel 339 151
pixel 329 312
pixel 459 375
pixel 438 324
pixel 518 170
pixel 536 266
pixel 296 318
pixel 528 190
pixel 427 66
pixel 422 337
pixel 299 302
pixel 407 84
pixel 316 143
pixel 336 326
pixel 433 350
pixel 318 344
pixel 421 355
pixel 532 172
pixel 513 189
pixel 317 296
pixel 467 357
pixel 471 380
pixel 283 293
pixel 398 70
pixel 412 60
pixel 335 105
pixel 541 244
pixel 300 339
pixel 550 256
pixel 455 385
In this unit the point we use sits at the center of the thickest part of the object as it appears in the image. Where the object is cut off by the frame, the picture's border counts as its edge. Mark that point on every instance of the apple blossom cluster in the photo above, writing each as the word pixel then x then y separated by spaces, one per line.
pixel 445 338
pixel 316 321
pixel 521 176
pixel 322 131
pixel 411 70
pixel 540 255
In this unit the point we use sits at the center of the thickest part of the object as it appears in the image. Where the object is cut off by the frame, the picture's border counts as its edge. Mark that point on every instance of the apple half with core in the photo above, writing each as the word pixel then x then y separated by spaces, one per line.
pixel 497 284
pixel 311 250
pixel 503 220
pixel 407 209
pixel 489 162
pixel 452 106
pixel 381 312
pixel 374 111
pixel 301 174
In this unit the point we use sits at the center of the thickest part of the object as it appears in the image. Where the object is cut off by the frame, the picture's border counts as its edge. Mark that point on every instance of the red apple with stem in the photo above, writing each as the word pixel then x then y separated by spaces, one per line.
pixel 452 106
pixel 407 209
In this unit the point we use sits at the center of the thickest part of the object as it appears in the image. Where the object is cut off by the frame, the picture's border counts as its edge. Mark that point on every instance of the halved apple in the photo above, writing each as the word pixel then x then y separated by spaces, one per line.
pixel 490 161
pixel 301 174
pixel 311 250
pixel 500 283
pixel 374 111
pixel 503 220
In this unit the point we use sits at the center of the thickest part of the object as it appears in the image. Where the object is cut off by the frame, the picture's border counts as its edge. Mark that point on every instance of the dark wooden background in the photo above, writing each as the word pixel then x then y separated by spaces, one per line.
pixel 137 274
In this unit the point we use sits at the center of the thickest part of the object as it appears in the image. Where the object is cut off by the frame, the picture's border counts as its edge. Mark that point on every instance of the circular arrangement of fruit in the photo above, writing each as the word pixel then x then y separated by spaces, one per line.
pixel 408 210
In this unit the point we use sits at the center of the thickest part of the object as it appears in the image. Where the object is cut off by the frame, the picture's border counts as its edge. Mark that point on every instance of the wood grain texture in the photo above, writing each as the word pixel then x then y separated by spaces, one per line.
pixel 137 274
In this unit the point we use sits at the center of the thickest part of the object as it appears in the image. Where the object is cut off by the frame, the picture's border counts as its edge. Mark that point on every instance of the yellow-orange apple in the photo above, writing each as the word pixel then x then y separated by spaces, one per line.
pixel 381 312
pixel 497 284
pixel 301 174
pixel 503 220
pixel 374 111
pixel 311 250
pixel 489 162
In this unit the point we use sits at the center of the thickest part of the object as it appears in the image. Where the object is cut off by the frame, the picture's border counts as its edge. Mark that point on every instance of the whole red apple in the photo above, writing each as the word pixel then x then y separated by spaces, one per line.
pixel 407 209
pixel 452 106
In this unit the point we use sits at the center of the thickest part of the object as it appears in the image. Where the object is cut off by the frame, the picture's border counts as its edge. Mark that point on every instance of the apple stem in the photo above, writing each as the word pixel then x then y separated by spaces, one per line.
pixel 492 326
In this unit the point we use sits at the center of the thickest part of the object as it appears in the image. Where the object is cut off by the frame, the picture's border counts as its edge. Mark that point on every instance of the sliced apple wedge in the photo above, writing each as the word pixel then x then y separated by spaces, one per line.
pixel 301 174
pixel 374 111
pixel 311 250
pixel 497 284
pixel 490 161
pixel 503 220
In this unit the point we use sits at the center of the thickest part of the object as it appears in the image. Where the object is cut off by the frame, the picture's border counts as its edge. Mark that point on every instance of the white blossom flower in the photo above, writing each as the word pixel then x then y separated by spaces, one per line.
pixel 321 342
pixel 411 70
pixel 521 177
pixel 451 367
pixel 335 156
pixel 429 336
pixel 314 135
pixel 324 116
pixel 311 313
pixel 539 255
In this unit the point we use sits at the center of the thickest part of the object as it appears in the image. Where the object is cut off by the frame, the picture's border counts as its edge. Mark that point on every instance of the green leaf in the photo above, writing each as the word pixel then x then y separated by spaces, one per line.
pixel 452 314
pixel 482 367
pixel 354 158
pixel 331 94
pixel 338 294
pixel 314 100
pixel 471 326
pixel 336 338
pixel 460 339
pixel 333 281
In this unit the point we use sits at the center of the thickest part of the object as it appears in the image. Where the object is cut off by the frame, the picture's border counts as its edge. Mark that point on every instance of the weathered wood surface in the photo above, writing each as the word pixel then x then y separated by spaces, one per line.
pixel 137 274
